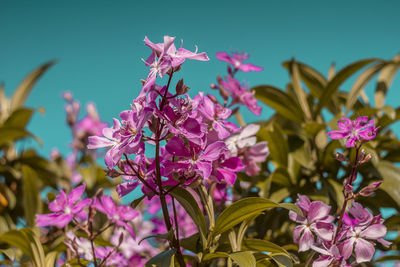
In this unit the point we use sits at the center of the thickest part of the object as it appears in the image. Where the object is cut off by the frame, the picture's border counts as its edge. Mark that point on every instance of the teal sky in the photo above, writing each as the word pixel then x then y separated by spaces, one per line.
pixel 99 45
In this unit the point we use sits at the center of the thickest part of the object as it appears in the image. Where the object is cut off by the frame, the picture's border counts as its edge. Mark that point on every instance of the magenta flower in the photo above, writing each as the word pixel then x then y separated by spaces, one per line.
pixel 360 232
pixel 330 256
pixel 120 215
pixel 316 220
pixel 91 123
pixel 241 95
pixel 65 208
pixel 358 130
pixel 122 138
pixel 237 61
pixel 194 159
pixel 165 56
pixel 215 116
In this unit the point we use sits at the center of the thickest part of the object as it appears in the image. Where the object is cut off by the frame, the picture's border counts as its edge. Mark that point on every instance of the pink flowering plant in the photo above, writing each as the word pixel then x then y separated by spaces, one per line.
pixel 188 181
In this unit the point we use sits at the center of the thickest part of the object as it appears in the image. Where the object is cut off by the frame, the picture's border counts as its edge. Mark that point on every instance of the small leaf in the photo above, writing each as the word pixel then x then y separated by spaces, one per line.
pixel 11 134
pixel 23 90
pixel 164 259
pixel 243 258
pixel 277 143
pixel 51 258
pixel 262 246
pixel 211 256
pixel 137 201
pixel 281 259
pixel 240 211
pixel 19 118
pixel 191 207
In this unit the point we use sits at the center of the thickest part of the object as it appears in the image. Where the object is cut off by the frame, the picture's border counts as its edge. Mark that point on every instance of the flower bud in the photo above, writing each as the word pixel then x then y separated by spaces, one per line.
pixel 67 96
pixel 112 173
pixel 370 189
pixel 213 86
pixel 349 189
pixel 181 88
pixel 340 157
pixel 367 158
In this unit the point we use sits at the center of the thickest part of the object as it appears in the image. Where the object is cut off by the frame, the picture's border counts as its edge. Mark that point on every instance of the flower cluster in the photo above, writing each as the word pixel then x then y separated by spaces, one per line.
pixel 74 208
pixel 232 87
pixel 199 140
pixel 356 230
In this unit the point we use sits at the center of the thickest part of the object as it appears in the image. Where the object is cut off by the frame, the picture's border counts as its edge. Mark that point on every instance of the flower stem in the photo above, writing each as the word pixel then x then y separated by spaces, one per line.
pixel 345 194
pixel 174 243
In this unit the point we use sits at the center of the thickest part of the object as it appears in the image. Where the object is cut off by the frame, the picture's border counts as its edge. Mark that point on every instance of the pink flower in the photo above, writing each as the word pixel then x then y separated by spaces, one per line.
pixel 122 138
pixel 316 220
pixel 241 95
pixel 358 130
pixel 120 215
pixel 65 208
pixel 360 232
pixel 165 56
pixel 330 256
pixel 91 123
pixel 237 61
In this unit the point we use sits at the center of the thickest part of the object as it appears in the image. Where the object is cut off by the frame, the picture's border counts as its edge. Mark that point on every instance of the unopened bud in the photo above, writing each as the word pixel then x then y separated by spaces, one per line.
pixel 213 86
pixel 112 173
pixel 67 96
pixel 340 157
pixel 367 158
pixel 370 189
pixel 121 238
pixel 230 71
pixel 213 98
pixel 181 88
pixel 349 189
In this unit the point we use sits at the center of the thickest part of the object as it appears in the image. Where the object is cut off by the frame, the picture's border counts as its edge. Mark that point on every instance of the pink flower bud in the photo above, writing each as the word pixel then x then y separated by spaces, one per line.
pixel 370 189
pixel 340 157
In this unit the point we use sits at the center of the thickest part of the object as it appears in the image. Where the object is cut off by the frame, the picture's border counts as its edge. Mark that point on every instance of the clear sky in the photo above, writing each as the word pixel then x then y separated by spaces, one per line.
pixel 99 45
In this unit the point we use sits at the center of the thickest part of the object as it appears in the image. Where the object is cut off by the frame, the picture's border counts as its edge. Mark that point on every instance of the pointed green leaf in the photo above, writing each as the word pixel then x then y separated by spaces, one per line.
pixel 391 179
pixel 240 211
pixel 190 205
pixel 361 82
pixel 164 259
pixel 19 118
pixel 338 79
pixel 243 258
pixel 385 79
pixel 11 134
pixel 301 95
pixel 260 245
pixel 31 197
pixel 23 90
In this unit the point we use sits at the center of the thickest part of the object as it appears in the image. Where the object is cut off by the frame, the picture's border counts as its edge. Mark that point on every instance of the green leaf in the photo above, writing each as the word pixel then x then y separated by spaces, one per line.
pixel 314 80
pixel 23 90
pixel 262 246
pixel 31 197
pixel 27 241
pixel 211 256
pixel 281 259
pixel 361 82
pixel 279 101
pixel 163 259
pixel 240 211
pixel 19 118
pixel 51 258
pixel 391 179
pixel 137 201
pixel 243 258
pixel 277 143
pixel 292 207
pixel 191 207
pixel 77 263
pixel 338 79
pixel 167 236
pixel 11 134
pixel 301 95
pixel 385 79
